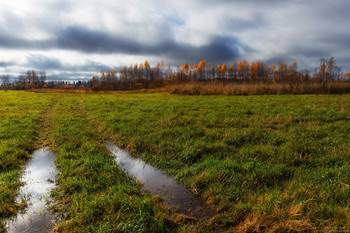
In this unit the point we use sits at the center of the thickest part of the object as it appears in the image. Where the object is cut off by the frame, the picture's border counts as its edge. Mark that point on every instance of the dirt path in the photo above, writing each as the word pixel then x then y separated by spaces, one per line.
pixel 38 178
pixel 182 203
pixel 45 135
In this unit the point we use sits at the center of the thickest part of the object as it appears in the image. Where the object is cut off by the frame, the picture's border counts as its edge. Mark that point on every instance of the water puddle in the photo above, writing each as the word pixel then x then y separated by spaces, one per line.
pixel 38 177
pixel 158 183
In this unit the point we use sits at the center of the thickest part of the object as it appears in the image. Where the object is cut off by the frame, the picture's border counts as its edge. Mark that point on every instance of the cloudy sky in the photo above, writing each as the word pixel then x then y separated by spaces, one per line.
pixel 71 40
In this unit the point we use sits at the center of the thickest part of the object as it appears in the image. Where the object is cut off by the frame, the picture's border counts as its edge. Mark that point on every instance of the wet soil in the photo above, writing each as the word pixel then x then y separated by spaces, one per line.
pixel 175 195
pixel 39 176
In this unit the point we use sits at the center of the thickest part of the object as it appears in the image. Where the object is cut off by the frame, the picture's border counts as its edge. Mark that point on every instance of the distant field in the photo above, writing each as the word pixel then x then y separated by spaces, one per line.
pixel 264 163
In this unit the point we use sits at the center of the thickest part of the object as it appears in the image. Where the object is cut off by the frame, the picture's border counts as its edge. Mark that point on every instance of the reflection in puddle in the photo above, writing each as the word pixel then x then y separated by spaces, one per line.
pixel 38 177
pixel 158 183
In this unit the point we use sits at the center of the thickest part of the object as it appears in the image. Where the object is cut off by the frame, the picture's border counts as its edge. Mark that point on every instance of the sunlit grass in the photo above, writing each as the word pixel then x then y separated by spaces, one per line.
pixel 269 163
pixel 93 194
pixel 282 160
pixel 21 116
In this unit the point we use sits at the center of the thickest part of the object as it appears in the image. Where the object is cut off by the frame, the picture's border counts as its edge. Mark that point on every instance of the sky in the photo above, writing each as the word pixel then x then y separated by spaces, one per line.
pixel 72 40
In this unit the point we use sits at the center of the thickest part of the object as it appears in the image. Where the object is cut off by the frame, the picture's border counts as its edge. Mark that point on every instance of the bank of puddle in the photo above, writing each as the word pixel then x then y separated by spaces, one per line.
pixel 38 180
pixel 176 196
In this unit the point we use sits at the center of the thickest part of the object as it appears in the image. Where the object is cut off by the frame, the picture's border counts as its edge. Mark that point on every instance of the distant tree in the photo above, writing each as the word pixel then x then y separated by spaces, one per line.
pixel 230 73
pixel 147 69
pixel 32 79
pixel 240 69
pixel 20 84
pixel 194 69
pixel 328 70
pixel 235 71
pixel 5 80
pixel 283 71
pixel 243 70
pixel 135 71
pixel 218 72
pixel 272 72
pixel 305 74
pixel 185 71
pixel 322 75
pixel 333 70
pixel 168 73
pixel 141 69
pixel 292 72
pixel 253 71
pixel 201 69
pixel 42 78
pixel 224 70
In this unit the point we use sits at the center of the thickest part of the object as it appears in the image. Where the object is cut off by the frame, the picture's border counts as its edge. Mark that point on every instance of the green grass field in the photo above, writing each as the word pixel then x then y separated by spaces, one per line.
pixel 263 163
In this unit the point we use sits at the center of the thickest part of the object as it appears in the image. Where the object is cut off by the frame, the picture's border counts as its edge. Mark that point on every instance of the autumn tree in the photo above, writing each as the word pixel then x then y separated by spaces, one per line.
pixel 218 72
pixel 253 71
pixel 240 69
pixel 292 72
pixel 321 74
pixel 230 73
pixel 272 72
pixel 147 69
pixel 224 70
pixel 281 72
pixel 201 69
pixel 333 70
pixel 123 74
pixel 194 69
pixel 168 73
pixel 184 71
pixel 135 71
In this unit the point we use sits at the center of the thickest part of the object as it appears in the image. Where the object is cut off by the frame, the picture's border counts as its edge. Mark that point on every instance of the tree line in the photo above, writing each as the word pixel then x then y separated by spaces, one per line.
pixel 144 76
pixel 36 80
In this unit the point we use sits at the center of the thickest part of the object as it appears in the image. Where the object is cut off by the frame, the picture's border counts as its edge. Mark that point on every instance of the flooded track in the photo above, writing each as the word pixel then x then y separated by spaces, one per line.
pixel 39 178
pixel 158 183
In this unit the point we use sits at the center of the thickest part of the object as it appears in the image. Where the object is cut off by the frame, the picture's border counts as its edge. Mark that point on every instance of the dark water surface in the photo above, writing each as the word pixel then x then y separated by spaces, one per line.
pixel 38 177
pixel 158 183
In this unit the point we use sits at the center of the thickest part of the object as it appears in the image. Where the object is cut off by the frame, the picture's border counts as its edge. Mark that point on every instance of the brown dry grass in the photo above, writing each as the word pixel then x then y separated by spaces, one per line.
pixel 89 91
pixel 220 88
pixel 285 219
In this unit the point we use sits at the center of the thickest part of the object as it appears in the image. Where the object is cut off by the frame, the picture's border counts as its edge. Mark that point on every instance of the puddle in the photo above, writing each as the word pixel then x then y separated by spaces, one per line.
pixel 158 183
pixel 38 177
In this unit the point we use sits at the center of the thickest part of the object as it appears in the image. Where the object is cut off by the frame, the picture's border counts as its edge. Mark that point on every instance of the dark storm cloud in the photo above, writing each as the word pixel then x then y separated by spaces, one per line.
pixel 218 50
pixel 7 41
pixel 14 42
pixel 309 52
pixel 340 41
pixel 39 62
pixel 89 41
pixel 5 64
pixel 42 62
